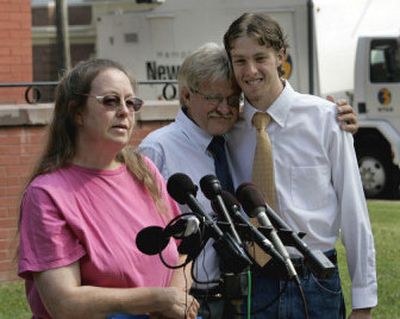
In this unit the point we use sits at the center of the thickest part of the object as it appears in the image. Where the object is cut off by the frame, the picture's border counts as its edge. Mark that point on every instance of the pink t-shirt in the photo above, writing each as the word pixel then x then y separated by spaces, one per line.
pixel 92 216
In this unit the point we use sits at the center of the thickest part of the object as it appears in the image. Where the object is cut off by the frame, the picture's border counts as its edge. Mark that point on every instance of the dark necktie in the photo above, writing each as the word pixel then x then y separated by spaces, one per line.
pixel 217 149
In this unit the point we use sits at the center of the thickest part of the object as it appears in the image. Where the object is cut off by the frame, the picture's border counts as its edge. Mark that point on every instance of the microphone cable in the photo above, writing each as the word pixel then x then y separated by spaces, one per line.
pixel 188 260
pixel 196 264
pixel 303 296
pixel 199 259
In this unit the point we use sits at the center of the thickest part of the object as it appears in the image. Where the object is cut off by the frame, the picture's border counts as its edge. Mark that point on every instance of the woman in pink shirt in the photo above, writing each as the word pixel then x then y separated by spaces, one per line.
pixel 87 199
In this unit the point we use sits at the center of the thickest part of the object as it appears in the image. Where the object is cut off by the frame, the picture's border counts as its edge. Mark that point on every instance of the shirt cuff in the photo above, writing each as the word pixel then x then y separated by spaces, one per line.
pixel 365 297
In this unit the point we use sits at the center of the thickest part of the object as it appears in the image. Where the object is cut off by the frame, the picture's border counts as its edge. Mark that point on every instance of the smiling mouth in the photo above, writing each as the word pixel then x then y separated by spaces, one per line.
pixel 252 82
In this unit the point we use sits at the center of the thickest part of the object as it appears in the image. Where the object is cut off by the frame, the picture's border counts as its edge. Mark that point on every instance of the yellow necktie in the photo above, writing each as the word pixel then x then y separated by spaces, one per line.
pixel 263 175
pixel 263 166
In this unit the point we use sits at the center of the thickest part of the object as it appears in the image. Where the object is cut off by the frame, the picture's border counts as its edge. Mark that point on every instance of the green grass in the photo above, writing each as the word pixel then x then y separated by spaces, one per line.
pixel 385 220
pixel 12 301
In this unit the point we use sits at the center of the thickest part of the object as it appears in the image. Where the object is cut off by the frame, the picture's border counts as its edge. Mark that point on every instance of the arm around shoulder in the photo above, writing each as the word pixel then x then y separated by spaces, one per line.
pixel 346 116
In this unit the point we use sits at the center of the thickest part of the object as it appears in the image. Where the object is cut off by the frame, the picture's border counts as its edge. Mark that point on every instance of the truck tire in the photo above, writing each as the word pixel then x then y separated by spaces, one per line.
pixel 380 178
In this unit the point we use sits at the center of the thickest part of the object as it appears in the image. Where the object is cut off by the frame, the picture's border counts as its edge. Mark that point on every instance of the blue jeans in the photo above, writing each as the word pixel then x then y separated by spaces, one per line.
pixel 324 297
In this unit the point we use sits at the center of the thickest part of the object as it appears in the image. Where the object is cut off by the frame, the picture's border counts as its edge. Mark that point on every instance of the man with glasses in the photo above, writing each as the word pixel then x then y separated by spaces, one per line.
pixel 210 106
pixel 210 100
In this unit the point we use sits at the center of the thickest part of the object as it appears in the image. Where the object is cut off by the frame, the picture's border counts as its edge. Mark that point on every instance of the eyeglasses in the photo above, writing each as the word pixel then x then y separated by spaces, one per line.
pixel 216 100
pixel 114 102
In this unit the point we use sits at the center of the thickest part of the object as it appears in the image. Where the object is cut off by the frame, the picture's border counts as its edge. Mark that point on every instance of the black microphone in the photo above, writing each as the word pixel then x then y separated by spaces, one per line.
pixel 234 210
pixel 316 260
pixel 182 189
pixel 253 204
pixel 211 188
pixel 153 239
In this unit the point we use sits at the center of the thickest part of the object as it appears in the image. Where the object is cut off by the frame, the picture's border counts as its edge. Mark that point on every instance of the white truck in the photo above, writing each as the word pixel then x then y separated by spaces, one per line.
pixel 344 48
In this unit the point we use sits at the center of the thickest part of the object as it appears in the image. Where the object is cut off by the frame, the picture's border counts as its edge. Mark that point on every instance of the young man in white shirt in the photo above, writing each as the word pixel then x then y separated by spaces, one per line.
pixel 318 187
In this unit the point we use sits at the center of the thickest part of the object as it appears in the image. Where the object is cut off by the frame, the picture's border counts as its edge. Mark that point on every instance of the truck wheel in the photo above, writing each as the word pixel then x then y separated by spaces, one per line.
pixel 380 178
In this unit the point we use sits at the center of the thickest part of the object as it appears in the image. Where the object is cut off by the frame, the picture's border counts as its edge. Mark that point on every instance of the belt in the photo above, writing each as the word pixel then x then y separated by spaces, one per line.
pixel 272 269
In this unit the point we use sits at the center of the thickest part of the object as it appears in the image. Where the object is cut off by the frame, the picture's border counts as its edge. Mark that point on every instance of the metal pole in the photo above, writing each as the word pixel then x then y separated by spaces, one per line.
pixel 63 35
pixel 310 33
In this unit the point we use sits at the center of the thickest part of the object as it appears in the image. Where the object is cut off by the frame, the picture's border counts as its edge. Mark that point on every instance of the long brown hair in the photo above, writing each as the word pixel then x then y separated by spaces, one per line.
pixel 70 100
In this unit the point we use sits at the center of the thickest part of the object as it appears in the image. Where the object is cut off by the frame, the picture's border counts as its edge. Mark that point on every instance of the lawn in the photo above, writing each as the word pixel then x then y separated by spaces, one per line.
pixel 12 301
pixel 385 219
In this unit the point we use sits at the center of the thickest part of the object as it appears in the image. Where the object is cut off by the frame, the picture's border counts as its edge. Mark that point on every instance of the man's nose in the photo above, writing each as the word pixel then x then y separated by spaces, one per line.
pixel 251 67
pixel 224 107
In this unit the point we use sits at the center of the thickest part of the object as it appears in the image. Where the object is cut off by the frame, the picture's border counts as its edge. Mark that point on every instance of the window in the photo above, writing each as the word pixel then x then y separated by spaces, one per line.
pixel 385 61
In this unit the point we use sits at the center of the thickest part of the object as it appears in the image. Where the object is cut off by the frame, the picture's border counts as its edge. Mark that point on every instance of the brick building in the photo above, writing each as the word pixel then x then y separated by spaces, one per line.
pixel 23 126
pixel 15 66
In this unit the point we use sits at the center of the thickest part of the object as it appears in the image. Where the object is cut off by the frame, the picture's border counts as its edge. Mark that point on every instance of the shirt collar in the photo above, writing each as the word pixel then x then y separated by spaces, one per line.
pixel 279 110
pixel 193 132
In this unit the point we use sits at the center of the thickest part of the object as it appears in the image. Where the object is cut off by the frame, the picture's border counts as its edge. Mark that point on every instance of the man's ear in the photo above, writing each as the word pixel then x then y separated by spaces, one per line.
pixel 185 96
pixel 281 56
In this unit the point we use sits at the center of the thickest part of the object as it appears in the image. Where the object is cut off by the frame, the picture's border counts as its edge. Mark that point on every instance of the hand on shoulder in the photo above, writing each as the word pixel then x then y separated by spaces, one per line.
pixel 346 115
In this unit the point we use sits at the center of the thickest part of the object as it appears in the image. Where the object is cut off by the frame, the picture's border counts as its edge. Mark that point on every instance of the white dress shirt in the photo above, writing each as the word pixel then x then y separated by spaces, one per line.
pixel 182 147
pixel 318 185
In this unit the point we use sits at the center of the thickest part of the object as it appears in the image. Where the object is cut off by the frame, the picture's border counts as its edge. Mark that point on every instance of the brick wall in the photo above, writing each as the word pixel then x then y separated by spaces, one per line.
pixel 15 66
pixel 16 47
pixel 19 147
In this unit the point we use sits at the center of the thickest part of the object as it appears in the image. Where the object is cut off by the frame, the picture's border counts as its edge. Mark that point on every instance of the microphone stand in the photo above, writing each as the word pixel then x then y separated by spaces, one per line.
pixel 234 257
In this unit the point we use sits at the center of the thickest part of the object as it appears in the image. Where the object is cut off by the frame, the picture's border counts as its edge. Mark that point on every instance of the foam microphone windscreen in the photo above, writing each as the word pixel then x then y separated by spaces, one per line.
pixel 210 186
pixel 179 185
pixel 151 240
pixel 250 198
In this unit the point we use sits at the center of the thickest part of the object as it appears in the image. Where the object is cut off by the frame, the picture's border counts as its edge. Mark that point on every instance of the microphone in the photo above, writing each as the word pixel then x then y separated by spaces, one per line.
pixel 316 260
pixel 182 189
pixel 234 209
pixel 153 239
pixel 184 227
pixel 211 188
pixel 253 204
